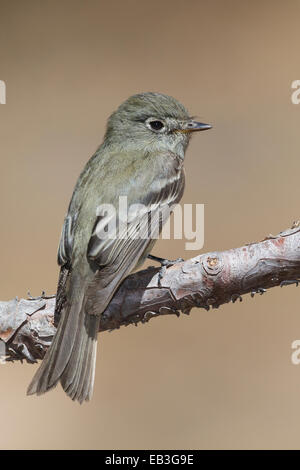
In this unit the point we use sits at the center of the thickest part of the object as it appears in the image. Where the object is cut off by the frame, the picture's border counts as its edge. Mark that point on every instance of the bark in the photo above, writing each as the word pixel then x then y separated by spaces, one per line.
pixel 206 281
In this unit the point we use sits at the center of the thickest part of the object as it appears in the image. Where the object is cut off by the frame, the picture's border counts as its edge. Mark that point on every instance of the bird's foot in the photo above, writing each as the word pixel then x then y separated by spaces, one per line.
pixel 291 281
pixel 165 263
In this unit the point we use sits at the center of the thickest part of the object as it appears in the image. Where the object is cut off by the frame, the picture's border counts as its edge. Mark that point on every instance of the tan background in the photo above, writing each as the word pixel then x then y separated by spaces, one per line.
pixel 222 379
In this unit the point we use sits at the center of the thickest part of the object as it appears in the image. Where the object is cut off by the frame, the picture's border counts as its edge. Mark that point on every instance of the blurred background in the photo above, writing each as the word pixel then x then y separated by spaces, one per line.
pixel 219 379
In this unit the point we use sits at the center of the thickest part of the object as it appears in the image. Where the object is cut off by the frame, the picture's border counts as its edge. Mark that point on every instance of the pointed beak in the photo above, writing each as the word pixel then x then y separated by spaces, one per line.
pixel 193 126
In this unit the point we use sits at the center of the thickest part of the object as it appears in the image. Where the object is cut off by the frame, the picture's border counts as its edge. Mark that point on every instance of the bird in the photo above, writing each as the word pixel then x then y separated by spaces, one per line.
pixel 141 158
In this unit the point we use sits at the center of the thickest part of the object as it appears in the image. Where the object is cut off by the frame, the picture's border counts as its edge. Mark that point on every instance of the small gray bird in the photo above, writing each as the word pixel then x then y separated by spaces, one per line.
pixel 141 158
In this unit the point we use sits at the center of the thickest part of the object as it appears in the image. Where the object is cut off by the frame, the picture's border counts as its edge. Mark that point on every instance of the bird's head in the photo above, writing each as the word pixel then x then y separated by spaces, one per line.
pixel 152 122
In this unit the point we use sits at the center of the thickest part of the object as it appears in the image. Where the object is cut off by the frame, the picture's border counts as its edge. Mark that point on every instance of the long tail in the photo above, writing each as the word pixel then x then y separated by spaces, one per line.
pixel 71 358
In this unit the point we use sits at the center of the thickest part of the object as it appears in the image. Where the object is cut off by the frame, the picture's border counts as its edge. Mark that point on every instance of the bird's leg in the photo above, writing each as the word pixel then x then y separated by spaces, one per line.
pixel 165 263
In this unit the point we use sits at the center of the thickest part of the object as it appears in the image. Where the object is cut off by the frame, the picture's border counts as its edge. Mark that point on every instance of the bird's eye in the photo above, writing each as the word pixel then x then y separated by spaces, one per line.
pixel 155 124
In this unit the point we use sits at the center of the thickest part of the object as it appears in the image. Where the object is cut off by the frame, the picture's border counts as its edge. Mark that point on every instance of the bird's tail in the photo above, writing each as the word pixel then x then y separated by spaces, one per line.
pixel 71 358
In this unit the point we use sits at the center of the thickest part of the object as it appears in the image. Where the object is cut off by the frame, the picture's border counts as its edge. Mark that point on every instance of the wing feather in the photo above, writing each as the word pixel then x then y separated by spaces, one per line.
pixel 144 222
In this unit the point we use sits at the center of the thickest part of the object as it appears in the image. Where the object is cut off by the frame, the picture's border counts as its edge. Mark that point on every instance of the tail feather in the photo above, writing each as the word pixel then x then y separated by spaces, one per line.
pixel 71 358
pixel 78 378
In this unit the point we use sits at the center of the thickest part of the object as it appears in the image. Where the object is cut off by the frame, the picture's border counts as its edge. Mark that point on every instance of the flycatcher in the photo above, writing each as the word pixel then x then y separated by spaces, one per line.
pixel 141 158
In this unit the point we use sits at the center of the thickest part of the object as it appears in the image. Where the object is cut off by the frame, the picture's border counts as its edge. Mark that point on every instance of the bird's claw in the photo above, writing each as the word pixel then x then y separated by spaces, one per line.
pixel 39 297
pixel 259 290
pixel 289 282
pixel 30 297
pixel 236 297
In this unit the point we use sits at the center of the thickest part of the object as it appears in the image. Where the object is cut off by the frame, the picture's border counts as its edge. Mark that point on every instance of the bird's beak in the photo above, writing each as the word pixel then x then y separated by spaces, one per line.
pixel 193 126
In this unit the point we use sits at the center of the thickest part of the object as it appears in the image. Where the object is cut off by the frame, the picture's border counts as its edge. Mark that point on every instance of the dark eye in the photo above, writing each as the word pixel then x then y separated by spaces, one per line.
pixel 156 125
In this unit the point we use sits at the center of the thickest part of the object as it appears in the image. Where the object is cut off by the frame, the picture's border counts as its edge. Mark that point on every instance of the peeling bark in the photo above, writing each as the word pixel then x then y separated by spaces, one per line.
pixel 206 281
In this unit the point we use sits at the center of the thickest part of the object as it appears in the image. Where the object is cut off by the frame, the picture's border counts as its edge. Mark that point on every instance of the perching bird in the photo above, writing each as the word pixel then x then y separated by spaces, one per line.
pixel 141 158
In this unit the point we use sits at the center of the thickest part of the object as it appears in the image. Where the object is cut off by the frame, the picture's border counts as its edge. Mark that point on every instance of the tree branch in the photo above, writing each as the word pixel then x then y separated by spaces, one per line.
pixel 206 281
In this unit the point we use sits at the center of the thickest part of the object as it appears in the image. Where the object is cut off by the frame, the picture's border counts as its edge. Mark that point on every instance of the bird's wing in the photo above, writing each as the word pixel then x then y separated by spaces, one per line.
pixel 117 256
pixel 112 257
